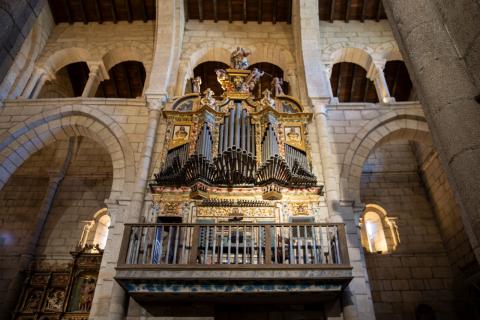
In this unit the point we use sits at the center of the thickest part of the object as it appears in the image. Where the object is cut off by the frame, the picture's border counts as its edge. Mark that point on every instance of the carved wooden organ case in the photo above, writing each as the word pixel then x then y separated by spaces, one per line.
pixel 237 154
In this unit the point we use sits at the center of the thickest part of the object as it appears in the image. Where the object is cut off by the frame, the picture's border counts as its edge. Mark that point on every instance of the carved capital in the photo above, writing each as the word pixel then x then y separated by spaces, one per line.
pixel 156 102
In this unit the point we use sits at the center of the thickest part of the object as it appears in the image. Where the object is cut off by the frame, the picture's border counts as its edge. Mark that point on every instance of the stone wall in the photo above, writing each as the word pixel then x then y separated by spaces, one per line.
pixel 418 271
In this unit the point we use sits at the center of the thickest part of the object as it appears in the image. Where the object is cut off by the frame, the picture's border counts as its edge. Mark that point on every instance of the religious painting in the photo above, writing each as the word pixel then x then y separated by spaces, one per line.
pixel 32 300
pixel 55 300
pixel 294 136
pixel 82 293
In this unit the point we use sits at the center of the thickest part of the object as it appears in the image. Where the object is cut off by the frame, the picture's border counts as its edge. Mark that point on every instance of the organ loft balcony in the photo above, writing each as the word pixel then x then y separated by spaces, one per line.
pixel 178 262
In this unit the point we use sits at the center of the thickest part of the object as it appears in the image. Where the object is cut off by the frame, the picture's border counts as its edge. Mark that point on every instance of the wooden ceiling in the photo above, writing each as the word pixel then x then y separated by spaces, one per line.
pixel 346 10
pixel 102 10
pixel 280 10
pixel 239 10
pixel 350 84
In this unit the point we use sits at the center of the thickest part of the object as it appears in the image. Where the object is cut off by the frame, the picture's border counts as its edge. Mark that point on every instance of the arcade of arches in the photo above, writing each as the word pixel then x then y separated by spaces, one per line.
pixel 239 160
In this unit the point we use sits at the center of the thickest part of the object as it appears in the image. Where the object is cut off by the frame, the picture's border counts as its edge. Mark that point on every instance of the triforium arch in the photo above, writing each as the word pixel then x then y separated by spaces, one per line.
pixel 126 53
pixel 45 128
pixel 392 126
pixel 61 58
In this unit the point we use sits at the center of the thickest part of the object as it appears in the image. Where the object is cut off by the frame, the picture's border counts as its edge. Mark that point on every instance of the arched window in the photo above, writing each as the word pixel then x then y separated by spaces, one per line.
pixel 69 82
pixel 350 83
pixel 206 71
pixel 379 233
pixel 101 231
pixel 398 81
pixel 375 234
pixel 127 79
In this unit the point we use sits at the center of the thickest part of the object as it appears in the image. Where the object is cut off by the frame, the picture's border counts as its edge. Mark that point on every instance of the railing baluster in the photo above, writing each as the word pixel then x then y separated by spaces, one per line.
pixel 205 253
pixel 177 235
pixel 268 245
pixel 221 246
pixel 328 256
pixel 299 246
pixel 252 245
pixel 307 254
pixel 214 244
pixel 229 243
pixel 292 261
pixel 237 238
pixel 167 257
pixel 275 243
pixel 195 243
pixel 282 234
pixel 314 237
pixel 244 229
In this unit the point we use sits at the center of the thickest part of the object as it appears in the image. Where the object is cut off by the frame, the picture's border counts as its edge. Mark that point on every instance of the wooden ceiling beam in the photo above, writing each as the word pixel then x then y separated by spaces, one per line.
pixel 128 6
pixel 68 11
pixel 114 11
pixel 274 11
pixel 200 10
pixel 352 88
pixel 364 10
pixel 259 11
pixel 347 10
pixel 366 90
pixel 98 11
pixel 379 10
pixel 127 80
pixel 185 8
pixel 395 80
pixel 244 11
pixel 82 12
pixel 230 15
pixel 332 10
pixel 339 80
pixel 215 11
pixel 289 11
pixel 144 10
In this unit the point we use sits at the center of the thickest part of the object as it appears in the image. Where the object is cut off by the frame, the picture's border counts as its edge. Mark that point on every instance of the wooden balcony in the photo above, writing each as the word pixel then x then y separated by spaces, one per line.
pixel 216 261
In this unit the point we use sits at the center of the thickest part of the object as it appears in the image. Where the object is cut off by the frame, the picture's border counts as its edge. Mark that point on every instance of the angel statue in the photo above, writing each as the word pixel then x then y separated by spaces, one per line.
pixel 253 77
pixel 197 82
pixel 277 86
pixel 267 100
pixel 238 58
pixel 208 99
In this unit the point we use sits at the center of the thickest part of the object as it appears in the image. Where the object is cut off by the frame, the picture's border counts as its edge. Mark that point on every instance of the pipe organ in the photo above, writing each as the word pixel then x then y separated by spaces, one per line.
pixel 236 143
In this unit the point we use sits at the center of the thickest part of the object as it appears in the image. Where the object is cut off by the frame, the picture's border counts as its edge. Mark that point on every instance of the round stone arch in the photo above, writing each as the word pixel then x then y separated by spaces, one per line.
pixel 37 132
pixel 126 53
pixel 353 55
pixel 389 127
pixel 392 55
pixel 64 57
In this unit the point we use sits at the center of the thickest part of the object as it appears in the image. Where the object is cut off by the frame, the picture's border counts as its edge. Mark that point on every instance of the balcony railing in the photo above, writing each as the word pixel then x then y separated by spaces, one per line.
pixel 228 244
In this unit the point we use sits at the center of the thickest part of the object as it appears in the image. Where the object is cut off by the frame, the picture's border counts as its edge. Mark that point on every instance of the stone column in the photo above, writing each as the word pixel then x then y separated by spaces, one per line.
pixel 439 61
pixel 378 77
pixel 97 74
pixel 110 301
pixel 36 82
pixel 181 77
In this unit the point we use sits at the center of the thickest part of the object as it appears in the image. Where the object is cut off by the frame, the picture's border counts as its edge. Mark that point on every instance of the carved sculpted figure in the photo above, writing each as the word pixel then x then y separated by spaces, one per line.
pixel 208 99
pixel 253 78
pixel 267 100
pixel 238 59
pixel 197 82
pixel 277 86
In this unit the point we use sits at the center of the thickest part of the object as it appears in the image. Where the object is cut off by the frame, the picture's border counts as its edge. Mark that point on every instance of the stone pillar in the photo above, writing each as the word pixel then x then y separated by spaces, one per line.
pixel 440 68
pixel 378 77
pixel 110 301
pixel 181 77
pixel 97 74
pixel 36 82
